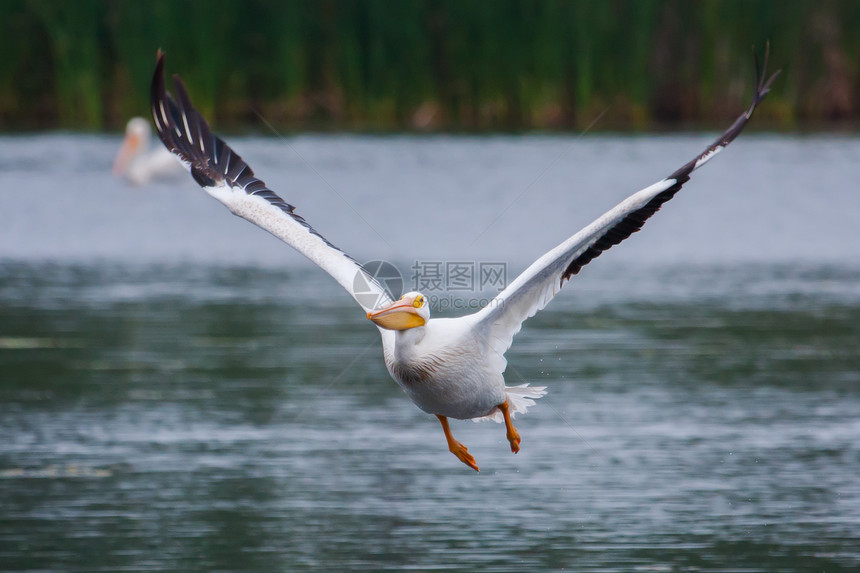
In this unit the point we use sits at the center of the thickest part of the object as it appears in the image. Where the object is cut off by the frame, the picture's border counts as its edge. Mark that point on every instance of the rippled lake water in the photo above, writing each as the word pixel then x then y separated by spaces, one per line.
pixel 179 391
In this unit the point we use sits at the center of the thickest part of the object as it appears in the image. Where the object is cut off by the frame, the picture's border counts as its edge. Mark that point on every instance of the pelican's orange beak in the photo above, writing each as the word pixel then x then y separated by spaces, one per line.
pixel 130 146
pixel 399 315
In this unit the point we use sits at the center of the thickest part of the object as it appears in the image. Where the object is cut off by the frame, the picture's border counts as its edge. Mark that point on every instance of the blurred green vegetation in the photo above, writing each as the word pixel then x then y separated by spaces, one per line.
pixel 430 64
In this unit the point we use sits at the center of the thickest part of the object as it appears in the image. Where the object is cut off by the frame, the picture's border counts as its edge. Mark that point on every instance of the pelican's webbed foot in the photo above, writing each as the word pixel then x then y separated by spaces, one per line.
pixel 456 447
pixel 512 434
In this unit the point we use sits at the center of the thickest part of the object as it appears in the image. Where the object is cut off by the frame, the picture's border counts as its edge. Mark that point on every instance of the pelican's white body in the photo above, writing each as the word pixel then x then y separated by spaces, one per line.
pixel 442 367
pixel 448 368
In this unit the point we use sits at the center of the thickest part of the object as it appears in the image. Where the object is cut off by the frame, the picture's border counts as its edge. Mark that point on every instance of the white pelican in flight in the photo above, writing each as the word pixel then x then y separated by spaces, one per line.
pixel 139 164
pixel 450 367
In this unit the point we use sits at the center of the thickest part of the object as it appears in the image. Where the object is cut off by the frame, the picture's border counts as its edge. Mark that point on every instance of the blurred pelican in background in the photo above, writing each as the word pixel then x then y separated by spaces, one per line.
pixel 137 163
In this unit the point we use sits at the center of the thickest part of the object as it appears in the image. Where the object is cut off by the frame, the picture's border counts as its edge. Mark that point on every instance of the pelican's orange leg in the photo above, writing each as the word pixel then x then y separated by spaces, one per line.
pixel 456 447
pixel 512 434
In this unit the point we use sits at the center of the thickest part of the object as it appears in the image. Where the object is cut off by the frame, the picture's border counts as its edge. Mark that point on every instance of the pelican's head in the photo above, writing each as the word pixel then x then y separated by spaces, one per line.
pixel 410 311
pixel 137 134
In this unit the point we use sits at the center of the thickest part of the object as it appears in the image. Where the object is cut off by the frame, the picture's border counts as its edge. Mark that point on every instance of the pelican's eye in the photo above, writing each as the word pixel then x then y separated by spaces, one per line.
pixel 418 302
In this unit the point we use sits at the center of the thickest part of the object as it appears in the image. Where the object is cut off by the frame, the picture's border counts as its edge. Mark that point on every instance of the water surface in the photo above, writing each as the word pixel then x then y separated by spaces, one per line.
pixel 180 392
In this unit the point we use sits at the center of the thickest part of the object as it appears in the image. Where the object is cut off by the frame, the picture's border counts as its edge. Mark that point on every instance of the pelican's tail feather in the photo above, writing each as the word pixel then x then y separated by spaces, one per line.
pixel 520 398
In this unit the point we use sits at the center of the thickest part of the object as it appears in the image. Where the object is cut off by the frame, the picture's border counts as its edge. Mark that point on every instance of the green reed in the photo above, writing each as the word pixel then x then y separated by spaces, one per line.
pixel 434 64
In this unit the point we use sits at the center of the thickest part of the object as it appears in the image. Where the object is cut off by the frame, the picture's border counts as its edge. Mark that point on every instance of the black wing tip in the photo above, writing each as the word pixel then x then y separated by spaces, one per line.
pixel 158 78
pixel 185 132
pixel 635 220
pixel 157 97
pixel 212 160
pixel 763 83
pixel 159 64
pixel 178 136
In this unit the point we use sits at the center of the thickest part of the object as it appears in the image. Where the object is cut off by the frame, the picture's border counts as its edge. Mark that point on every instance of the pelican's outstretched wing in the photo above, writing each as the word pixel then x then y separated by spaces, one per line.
pixel 537 285
pixel 225 176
